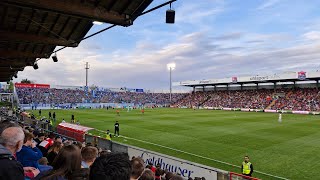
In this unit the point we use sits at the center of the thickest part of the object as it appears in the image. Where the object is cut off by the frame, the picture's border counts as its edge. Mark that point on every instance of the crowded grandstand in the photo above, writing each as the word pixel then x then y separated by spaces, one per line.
pixel 56 125
pixel 48 148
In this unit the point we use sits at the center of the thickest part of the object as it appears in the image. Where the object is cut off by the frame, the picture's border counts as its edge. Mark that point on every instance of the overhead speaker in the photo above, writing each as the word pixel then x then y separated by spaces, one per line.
pixel 35 66
pixel 170 15
pixel 54 58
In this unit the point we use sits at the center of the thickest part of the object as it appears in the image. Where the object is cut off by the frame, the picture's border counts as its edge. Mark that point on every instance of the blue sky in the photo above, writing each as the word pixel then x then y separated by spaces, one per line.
pixel 210 39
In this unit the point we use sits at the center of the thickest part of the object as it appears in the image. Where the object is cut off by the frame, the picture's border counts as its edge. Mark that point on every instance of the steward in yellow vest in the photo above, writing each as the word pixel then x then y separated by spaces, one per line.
pixel 108 135
pixel 247 168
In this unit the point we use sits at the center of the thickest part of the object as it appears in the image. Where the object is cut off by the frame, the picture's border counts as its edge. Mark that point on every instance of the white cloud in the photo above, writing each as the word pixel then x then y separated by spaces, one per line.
pixel 197 43
pixel 195 55
pixel 200 12
pixel 268 4
pixel 312 35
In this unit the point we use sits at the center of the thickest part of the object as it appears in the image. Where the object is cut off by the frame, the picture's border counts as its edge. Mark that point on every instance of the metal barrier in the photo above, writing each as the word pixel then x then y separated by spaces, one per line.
pixel 176 165
pixel 47 128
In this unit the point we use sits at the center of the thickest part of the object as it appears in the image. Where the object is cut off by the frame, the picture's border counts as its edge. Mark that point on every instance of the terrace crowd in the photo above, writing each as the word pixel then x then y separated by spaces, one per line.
pixel 302 99
pixel 60 96
pixel 306 99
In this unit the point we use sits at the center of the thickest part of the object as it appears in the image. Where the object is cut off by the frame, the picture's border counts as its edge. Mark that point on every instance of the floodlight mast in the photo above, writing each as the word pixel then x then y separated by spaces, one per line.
pixel 171 66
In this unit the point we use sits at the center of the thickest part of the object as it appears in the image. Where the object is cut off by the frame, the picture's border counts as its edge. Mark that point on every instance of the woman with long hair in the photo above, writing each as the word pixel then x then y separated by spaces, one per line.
pixel 53 151
pixel 65 164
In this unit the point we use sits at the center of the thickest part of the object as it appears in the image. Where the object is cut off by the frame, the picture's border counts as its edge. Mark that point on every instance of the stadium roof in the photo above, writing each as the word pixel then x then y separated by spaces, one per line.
pixel 283 77
pixel 32 29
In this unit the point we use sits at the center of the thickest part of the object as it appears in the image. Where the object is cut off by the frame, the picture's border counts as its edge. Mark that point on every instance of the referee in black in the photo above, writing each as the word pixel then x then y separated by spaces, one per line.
pixel 116 129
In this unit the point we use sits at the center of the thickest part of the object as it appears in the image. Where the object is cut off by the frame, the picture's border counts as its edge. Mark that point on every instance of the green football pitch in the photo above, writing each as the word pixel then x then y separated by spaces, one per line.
pixel 289 149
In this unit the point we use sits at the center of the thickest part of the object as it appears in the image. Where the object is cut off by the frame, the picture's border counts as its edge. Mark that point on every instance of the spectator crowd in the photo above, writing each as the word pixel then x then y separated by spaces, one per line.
pixel 300 99
pixel 60 96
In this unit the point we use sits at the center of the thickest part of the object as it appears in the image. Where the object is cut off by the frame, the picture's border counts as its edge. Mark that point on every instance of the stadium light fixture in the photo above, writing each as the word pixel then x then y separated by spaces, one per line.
pixel 97 22
pixel 170 16
pixel 55 58
pixel 171 66
pixel 35 66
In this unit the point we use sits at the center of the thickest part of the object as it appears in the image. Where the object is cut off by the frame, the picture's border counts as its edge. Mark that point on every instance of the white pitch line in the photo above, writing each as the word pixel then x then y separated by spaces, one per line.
pixel 196 155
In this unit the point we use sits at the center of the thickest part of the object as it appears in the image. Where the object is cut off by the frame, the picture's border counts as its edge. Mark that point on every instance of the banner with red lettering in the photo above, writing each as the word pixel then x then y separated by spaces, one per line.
pixel 23 85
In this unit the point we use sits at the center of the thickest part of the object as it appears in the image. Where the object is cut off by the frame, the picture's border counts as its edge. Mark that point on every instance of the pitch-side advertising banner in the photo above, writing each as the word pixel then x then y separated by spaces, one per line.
pixel 32 85
pixel 175 165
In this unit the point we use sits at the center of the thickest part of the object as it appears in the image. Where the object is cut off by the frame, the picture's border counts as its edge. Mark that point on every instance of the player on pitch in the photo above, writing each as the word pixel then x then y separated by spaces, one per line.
pixel 116 129
pixel 280 117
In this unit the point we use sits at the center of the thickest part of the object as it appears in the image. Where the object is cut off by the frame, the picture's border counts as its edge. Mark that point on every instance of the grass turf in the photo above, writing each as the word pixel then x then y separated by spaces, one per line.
pixel 288 149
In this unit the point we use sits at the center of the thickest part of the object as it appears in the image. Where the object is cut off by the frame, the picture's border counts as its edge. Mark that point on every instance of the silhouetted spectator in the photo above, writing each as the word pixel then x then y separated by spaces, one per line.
pixel 115 166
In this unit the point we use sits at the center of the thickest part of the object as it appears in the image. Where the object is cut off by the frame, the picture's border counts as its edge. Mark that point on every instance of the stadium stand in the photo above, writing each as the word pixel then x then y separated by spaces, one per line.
pixel 299 99
pixel 58 96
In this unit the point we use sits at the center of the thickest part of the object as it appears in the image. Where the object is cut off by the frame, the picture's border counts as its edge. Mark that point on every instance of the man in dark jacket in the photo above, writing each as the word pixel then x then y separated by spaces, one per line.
pixel 11 141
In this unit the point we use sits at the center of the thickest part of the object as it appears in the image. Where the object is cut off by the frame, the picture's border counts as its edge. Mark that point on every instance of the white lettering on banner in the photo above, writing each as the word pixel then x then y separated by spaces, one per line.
pixel 174 165
pixel 263 78
pixel 245 109
pixel 227 109
pixel 270 110
pixel 184 83
pixel 300 112
pixel 204 82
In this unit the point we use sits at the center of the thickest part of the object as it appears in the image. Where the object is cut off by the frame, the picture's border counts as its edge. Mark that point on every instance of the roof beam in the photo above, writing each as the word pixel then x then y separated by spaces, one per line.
pixel 7 36
pixel 13 54
pixel 71 8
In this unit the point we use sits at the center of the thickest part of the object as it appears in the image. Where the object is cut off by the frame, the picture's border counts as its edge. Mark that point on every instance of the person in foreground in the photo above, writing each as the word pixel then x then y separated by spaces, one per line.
pixel 247 168
pixel 66 165
pixel 29 154
pixel 137 166
pixel 114 166
pixel 11 141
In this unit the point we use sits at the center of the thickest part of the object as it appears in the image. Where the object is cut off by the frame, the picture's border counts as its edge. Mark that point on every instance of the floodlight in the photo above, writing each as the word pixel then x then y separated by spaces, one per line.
pixel 171 66
pixel 55 58
pixel 35 66
pixel 97 22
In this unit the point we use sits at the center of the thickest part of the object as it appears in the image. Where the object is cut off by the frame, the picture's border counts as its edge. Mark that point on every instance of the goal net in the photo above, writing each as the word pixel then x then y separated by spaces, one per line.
pixel 236 176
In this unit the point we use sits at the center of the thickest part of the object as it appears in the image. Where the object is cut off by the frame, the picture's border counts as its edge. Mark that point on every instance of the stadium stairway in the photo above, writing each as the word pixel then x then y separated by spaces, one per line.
pixel 209 97
pixel 288 95
pixel 271 104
